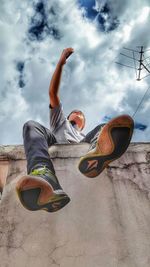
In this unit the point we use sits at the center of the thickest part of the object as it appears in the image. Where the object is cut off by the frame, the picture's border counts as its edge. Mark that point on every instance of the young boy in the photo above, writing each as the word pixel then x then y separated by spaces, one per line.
pixel 40 188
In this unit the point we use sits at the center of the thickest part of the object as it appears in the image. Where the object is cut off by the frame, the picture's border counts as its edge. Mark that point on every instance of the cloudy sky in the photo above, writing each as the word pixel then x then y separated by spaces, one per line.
pixel 32 36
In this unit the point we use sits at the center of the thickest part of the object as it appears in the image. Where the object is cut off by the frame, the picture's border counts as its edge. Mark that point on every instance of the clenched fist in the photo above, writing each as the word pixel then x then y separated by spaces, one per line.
pixel 65 54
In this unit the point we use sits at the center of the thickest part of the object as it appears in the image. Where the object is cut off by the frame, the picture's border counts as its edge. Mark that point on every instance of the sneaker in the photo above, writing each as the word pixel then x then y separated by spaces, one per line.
pixel 40 190
pixel 113 140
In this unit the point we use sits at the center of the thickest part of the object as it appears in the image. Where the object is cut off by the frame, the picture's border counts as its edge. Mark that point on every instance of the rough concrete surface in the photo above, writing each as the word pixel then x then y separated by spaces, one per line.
pixel 106 224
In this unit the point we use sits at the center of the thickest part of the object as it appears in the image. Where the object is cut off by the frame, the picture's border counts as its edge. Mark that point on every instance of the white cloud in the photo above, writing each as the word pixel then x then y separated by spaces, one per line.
pixel 91 81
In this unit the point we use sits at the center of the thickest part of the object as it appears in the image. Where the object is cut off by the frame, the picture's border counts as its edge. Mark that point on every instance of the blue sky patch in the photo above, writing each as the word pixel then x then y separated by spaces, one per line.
pixel 137 125
pixel 88 5
pixel 20 69
pixel 106 21
pixel 39 28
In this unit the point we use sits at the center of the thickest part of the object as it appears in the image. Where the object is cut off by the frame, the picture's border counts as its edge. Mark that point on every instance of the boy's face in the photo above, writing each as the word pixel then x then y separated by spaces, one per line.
pixel 78 118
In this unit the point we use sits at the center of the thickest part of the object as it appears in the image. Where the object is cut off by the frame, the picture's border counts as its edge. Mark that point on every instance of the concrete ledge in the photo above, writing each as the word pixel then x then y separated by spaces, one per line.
pixel 136 154
pixel 16 152
pixel 107 222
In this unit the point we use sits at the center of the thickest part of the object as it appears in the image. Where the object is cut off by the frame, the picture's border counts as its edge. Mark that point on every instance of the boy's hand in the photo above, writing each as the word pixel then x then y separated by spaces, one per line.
pixel 65 54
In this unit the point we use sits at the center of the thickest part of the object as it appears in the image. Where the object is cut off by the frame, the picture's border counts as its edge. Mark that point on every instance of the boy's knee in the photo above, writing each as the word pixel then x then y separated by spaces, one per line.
pixel 29 124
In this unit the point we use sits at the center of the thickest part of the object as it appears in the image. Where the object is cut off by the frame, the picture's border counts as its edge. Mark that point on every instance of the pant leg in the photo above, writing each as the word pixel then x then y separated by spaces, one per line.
pixel 37 140
pixel 91 137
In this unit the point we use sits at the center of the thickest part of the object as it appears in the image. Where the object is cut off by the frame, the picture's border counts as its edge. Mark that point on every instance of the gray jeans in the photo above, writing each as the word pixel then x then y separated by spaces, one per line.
pixel 37 139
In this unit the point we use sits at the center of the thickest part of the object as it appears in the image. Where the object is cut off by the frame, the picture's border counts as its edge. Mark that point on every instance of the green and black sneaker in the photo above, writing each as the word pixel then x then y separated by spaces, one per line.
pixel 40 190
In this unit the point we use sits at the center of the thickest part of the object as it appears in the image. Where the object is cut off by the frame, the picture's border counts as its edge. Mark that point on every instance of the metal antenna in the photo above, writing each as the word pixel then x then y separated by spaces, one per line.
pixel 138 59
pixel 138 69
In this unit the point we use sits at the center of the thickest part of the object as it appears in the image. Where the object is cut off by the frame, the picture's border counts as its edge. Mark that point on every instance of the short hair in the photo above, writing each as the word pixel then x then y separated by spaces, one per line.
pixel 76 110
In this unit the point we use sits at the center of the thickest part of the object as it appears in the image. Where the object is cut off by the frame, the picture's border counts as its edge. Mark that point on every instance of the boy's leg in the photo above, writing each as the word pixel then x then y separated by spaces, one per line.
pixel 40 188
pixel 108 142
pixel 92 136
pixel 37 139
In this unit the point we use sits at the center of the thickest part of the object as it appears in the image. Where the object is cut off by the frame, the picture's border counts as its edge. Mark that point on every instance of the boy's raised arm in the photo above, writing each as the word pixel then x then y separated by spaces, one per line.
pixel 55 81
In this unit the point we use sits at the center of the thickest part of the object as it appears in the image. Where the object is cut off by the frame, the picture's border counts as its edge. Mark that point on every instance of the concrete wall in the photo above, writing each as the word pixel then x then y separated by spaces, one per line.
pixel 106 224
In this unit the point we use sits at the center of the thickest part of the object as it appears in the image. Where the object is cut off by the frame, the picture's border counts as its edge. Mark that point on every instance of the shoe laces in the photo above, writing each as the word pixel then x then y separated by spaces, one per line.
pixel 42 170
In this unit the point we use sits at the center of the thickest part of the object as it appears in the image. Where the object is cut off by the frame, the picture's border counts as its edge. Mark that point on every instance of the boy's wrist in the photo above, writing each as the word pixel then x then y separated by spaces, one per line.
pixel 60 63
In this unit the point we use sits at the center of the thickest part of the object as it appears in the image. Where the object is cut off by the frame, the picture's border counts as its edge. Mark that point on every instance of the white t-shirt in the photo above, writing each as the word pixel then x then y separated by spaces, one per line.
pixel 62 129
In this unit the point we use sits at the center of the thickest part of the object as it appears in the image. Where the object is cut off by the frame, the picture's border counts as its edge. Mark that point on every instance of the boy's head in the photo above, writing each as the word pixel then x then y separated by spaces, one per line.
pixel 77 118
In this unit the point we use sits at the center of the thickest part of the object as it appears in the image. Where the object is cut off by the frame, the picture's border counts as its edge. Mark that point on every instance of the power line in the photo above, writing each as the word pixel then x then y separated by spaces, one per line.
pixel 140 102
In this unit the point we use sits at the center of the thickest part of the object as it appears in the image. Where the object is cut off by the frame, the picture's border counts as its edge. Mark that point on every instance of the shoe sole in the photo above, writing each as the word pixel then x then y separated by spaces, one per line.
pixel 113 141
pixel 1 191
pixel 37 194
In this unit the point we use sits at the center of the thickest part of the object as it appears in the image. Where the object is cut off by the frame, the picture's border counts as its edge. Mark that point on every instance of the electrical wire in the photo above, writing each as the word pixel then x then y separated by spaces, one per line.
pixel 140 102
